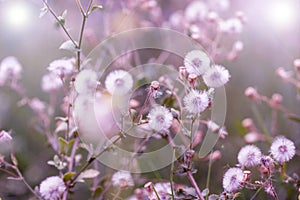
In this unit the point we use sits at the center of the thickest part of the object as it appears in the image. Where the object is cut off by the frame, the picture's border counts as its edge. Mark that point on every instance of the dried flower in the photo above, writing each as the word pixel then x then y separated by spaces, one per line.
pixel 282 149
pixel 196 102
pixel 52 188
pixel 5 137
pixel 216 76
pixel 86 81
pixel 196 62
pixel 160 119
pixel 249 156
pixel 118 82
pixel 233 179
pixel 122 179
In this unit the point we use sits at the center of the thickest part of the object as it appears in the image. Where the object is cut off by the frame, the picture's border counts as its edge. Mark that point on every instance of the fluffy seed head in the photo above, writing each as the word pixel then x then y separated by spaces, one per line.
pixel 160 119
pixel 122 179
pixel 249 156
pixel 233 179
pixel 282 149
pixel 86 81
pixel 216 76
pixel 196 62
pixel 196 102
pixel 52 188
pixel 118 82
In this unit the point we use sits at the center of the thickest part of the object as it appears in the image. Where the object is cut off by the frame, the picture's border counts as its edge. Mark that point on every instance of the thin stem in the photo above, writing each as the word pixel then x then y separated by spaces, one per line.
pixel 157 196
pixel 171 174
pixel 116 196
pixel 193 182
pixel 25 182
pixel 60 23
pixel 209 173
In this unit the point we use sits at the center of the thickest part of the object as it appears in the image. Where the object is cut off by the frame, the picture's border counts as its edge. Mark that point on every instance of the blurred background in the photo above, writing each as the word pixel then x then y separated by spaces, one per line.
pixel 271 39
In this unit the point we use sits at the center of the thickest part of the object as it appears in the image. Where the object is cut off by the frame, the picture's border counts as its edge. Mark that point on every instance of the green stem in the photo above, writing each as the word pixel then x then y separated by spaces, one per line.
pixel 60 23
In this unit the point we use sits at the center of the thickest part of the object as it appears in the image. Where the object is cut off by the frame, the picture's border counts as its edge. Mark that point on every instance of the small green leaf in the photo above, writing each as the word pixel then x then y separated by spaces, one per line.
pixel 62 144
pixel 69 46
pixel 294 118
pixel 97 7
pixel 62 17
pixel 68 176
pixel 97 192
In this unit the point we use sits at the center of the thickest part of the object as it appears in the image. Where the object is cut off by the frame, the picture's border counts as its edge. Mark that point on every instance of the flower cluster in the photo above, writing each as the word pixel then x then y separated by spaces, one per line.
pixel 282 150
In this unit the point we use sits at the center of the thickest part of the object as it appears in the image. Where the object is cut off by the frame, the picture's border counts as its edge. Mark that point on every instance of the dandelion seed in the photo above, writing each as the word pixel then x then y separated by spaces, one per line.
pixel 118 82
pixel 86 82
pixel 160 119
pixel 5 137
pixel 122 179
pixel 52 188
pixel 196 62
pixel 216 76
pixel 282 149
pixel 233 179
pixel 249 156
pixel 51 82
pixel 196 102
pixel 62 67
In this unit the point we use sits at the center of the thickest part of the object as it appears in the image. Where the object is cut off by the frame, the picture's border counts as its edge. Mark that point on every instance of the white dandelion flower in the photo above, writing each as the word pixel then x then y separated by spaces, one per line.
pixel 122 179
pixel 51 82
pixel 86 81
pixel 216 76
pixel 282 149
pixel 62 67
pixel 5 137
pixel 196 62
pixel 196 102
pixel 249 156
pixel 233 179
pixel 160 119
pixel 52 188
pixel 118 82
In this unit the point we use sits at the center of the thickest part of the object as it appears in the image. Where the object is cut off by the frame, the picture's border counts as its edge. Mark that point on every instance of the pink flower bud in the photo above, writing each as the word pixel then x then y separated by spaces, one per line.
pixel 192 78
pixel 182 72
pixel 282 73
pixel 276 98
pixel 251 93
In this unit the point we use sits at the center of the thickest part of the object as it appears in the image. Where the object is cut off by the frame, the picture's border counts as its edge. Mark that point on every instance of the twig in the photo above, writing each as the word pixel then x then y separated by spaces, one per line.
pixel 192 180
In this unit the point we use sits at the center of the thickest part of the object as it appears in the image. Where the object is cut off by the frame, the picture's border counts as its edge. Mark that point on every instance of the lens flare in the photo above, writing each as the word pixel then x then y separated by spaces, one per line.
pixel 282 14
pixel 17 14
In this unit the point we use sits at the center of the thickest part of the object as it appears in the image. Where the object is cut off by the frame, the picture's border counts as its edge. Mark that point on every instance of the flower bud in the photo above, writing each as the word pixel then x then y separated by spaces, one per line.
pixel 251 93
pixel 192 78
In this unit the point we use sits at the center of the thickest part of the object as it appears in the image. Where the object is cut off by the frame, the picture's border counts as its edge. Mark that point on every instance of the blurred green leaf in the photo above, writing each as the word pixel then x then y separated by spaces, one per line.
pixel 97 192
pixel 68 176
pixel 294 118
